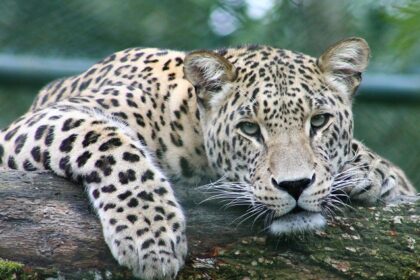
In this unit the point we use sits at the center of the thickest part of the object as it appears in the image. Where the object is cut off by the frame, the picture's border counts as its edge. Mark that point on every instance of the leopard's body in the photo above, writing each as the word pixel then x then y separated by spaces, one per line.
pixel 137 119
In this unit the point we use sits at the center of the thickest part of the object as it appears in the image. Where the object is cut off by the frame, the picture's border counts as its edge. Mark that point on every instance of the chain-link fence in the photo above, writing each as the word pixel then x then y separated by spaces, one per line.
pixel 42 39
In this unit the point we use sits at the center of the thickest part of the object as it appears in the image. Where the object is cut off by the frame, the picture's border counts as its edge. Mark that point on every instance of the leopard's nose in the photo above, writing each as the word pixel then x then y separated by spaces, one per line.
pixel 294 187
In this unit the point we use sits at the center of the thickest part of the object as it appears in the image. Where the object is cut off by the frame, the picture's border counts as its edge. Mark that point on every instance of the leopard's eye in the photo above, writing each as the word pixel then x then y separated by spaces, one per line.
pixel 319 121
pixel 249 128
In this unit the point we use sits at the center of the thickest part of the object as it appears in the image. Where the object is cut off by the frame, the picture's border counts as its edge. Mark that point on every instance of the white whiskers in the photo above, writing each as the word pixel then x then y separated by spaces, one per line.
pixel 233 194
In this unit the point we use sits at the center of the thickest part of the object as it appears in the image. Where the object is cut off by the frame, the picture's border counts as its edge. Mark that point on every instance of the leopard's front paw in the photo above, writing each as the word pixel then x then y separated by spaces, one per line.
pixel 374 181
pixel 153 250
pixel 375 185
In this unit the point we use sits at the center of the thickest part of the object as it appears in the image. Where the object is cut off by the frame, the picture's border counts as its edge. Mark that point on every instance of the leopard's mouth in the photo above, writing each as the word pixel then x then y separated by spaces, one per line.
pixel 296 221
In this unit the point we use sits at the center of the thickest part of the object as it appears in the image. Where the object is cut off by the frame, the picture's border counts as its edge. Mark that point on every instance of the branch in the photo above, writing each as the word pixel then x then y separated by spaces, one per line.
pixel 47 226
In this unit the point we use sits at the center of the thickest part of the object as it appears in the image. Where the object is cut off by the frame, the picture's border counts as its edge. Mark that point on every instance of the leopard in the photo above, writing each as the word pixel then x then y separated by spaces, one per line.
pixel 266 127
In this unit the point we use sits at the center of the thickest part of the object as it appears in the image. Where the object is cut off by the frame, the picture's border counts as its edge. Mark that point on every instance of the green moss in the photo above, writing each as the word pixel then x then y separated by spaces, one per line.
pixel 10 270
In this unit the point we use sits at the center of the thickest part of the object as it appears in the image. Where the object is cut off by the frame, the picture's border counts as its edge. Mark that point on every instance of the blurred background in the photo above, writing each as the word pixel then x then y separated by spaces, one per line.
pixel 41 40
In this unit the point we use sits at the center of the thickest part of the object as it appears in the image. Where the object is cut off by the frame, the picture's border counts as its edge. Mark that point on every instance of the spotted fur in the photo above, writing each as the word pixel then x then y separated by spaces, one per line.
pixel 142 117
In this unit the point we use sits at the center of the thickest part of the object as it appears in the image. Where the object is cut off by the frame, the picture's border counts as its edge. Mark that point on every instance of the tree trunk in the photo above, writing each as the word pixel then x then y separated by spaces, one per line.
pixel 47 229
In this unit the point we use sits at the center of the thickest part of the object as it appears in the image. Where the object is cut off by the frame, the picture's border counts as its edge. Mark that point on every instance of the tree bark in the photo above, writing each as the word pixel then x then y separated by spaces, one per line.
pixel 48 228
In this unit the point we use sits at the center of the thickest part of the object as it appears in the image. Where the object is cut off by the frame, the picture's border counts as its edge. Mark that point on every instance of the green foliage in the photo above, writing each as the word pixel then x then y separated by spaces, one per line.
pixel 80 28
pixel 407 39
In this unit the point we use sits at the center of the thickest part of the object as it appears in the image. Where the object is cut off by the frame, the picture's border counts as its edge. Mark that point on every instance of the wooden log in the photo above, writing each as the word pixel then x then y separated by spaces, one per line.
pixel 48 228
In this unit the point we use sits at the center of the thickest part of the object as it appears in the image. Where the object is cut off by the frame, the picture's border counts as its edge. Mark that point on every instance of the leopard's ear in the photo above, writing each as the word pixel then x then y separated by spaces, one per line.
pixel 210 74
pixel 344 62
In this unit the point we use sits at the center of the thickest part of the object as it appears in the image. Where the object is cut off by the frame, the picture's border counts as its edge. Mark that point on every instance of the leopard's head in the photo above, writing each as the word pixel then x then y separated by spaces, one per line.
pixel 278 125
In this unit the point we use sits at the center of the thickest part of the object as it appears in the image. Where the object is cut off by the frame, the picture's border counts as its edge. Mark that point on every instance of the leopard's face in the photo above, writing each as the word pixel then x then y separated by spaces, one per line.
pixel 279 131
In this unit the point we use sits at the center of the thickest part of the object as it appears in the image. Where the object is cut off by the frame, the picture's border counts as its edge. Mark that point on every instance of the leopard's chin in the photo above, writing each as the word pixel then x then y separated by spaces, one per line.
pixel 302 221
